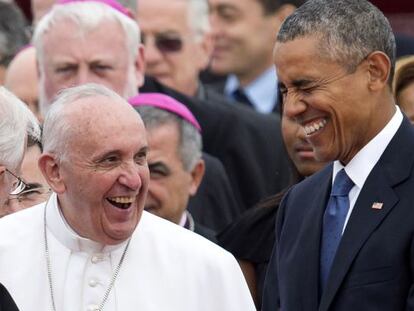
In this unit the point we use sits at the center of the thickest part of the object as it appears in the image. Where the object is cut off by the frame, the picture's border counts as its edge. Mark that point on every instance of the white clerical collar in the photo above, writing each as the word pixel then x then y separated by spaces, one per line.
pixel 183 220
pixel 62 231
pixel 364 161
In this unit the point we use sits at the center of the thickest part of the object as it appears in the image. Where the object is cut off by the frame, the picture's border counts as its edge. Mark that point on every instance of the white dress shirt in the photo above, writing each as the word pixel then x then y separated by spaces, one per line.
pixel 364 161
pixel 261 92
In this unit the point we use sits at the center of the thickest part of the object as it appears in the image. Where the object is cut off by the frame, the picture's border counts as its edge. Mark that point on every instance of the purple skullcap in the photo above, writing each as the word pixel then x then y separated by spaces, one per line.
pixel 112 3
pixel 167 103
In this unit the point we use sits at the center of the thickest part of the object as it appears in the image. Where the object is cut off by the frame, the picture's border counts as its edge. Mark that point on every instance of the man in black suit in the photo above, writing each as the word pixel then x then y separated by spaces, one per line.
pixel 243 33
pixel 344 235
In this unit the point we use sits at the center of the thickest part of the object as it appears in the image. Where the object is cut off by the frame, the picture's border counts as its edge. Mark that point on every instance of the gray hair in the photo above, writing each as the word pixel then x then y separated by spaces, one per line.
pixel 198 15
pixel 57 127
pixel 349 30
pixel 17 123
pixel 190 143
pixel 87 16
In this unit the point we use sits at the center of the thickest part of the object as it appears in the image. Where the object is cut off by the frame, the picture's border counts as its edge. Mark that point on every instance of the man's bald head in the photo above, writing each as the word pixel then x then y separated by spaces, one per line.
pixel 21 78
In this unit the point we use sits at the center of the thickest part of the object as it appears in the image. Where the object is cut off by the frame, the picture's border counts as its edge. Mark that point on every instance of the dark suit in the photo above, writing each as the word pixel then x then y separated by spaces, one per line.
pixel 248 144
pixel 6 301
pixel 214 204
pixel 374 264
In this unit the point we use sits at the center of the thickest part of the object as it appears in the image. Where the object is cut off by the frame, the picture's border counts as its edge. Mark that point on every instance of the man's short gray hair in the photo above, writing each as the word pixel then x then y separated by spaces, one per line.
pixel 198 14
pixel 57 127
pixel 87 16
pixel 17 122
pixel 190 143
pixel 349 30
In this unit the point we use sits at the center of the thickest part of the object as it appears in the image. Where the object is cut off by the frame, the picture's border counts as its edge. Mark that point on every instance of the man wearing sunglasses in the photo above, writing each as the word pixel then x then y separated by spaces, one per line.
pixel 16 124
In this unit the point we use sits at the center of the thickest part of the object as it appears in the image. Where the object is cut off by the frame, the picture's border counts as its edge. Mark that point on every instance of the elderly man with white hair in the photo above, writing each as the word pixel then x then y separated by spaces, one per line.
pixel 87 42
pixel 91 246
pixel 16 123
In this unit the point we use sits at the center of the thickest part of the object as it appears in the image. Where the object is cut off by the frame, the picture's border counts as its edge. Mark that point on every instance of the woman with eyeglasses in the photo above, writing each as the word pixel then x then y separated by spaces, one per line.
pixel 33 188
pixel 17 122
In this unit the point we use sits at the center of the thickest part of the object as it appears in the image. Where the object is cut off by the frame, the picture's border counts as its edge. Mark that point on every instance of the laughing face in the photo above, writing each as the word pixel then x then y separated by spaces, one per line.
pixel 332 105
pixel 104 175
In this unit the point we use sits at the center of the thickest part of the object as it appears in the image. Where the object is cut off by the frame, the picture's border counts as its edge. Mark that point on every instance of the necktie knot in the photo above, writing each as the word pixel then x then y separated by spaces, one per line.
pixel 240 96
pixel 342 184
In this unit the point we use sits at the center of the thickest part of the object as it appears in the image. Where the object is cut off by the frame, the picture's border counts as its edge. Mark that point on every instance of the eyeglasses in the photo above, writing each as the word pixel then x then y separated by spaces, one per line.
pixel 165 43
pixel 18 185
pixel 32 192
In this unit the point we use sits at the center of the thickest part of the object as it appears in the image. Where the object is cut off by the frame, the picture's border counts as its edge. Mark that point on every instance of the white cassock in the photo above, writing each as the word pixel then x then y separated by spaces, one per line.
pixel 166 267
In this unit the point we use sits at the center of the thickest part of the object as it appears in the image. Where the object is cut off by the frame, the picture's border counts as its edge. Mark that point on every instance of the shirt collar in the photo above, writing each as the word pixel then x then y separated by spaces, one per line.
pixel 364 161
pixel 262 92
pixel 62 231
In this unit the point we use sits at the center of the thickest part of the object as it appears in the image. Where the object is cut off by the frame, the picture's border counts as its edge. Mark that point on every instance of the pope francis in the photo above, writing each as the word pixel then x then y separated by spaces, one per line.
pixel 91 246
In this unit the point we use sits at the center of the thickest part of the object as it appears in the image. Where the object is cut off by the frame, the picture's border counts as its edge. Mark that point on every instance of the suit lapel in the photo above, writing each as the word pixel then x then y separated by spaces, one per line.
pixel 378 188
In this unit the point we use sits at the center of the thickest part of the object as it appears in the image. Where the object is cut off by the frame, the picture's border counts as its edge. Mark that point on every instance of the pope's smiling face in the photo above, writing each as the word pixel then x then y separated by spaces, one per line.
pixel 104 173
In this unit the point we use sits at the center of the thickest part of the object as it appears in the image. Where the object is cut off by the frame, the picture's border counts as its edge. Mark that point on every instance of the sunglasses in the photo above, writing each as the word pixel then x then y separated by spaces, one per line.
pixel 166 43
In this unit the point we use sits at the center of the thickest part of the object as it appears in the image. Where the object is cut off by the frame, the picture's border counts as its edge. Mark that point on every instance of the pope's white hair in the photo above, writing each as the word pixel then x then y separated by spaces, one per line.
pixel 57 126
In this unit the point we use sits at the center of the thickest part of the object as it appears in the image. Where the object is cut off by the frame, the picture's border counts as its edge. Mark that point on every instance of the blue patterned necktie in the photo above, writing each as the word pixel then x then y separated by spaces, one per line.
pixel 333 222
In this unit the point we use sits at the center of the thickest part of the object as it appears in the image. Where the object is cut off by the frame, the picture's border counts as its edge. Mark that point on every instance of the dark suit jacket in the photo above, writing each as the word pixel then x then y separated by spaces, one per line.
pixel 6 301
pixel 248 144
pixel 214 204
pixel 374 265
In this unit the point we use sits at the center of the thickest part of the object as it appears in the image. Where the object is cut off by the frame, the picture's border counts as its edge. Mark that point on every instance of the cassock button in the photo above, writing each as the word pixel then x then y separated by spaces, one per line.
pixel 93 308
pixel 96 258
pixel 93 283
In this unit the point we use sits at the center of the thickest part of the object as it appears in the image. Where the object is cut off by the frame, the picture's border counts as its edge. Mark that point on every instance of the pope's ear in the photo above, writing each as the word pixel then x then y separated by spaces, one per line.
pixel 50 169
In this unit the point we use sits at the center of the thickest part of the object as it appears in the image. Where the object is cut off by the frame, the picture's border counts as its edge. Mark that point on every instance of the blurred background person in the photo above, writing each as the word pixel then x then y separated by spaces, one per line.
pixel 13 34
pixel 21 79
pixel 403 85
pixel 243 33
pixel 177 41
pixel 251 237
pixel 174 159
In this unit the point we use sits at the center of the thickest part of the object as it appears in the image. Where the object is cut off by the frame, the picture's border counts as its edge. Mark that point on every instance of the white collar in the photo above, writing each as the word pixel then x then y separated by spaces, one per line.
pixel 364 161
pixel 62 231
pixel 262 92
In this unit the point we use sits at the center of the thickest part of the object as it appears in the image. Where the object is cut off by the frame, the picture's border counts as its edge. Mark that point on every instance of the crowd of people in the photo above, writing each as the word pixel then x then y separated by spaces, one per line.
pixel 205 155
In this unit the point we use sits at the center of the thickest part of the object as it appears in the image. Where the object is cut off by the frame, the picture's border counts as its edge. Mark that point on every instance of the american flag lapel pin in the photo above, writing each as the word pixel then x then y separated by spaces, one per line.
pixel 377 205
